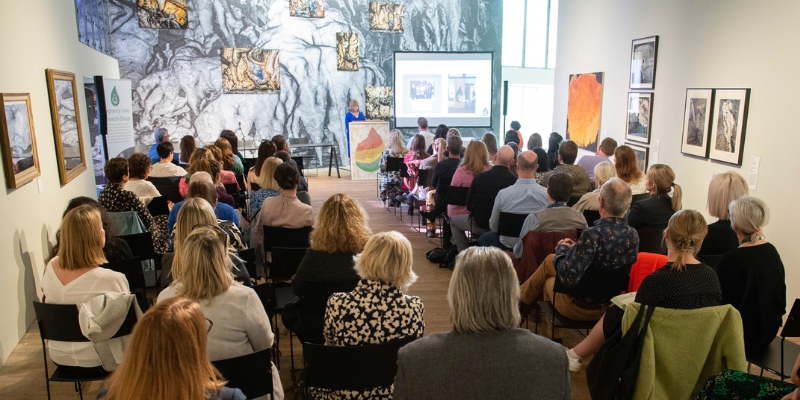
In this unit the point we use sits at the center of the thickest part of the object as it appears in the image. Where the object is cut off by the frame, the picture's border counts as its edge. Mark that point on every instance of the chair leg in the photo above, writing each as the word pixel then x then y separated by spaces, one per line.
pixel 291 352
pixel 80 389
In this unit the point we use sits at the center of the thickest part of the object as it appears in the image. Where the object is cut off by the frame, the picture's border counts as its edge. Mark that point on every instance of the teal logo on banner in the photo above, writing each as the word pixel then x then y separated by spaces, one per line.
pixel 114 97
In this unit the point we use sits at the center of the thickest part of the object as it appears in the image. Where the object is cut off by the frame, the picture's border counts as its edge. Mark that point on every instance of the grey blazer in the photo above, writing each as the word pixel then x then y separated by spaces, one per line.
pixel 510 364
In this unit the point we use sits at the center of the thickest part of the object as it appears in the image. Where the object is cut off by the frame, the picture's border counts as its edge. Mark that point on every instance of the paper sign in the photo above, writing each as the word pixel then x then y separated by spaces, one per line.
pixel 752 180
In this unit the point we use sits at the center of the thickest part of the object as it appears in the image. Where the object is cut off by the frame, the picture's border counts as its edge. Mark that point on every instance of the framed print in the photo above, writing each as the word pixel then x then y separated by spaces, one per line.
pixel 728 128
pixel 385 17
pixel 250 70
pixel 643 62
pixel 639 118
pixel 697 117
pixel 65 114
pixel 379 102
pixel 584 108
pixel 642 155
pixel 347 51
pixel 18 142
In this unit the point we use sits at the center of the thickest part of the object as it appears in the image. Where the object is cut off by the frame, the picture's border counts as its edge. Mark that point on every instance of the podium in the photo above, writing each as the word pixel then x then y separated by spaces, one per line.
pixel 367 143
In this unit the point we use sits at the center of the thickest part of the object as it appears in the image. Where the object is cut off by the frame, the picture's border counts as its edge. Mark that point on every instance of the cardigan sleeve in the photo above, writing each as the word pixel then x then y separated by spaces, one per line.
pixel 259 332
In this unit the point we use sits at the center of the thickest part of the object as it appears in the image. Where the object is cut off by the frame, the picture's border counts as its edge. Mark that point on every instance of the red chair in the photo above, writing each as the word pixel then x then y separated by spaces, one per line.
pixel 536 246
pixel 645 264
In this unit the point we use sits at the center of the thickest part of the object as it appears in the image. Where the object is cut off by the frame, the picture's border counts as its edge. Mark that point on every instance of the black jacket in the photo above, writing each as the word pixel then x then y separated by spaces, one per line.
pixel 652 213
pixel 483 191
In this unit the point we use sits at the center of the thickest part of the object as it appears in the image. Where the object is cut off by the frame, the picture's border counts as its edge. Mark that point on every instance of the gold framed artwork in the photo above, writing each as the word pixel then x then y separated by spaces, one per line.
pixel 18 140
pixel 347 51
pixel 385 17
pixel 65 114
pixel 250 70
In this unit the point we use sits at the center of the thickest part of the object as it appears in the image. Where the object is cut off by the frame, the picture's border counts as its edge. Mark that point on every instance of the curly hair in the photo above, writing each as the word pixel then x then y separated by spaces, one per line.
pixel 341 226
pixel 138 166
pixel 116 169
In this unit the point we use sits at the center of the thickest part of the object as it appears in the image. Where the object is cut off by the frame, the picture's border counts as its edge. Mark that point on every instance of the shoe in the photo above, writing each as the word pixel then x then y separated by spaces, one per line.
pixel 431 230
pixel 575 364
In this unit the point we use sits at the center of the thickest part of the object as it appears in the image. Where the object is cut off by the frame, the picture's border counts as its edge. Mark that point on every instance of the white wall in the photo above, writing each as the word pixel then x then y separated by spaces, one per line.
pixel 715 44
pixel 38 34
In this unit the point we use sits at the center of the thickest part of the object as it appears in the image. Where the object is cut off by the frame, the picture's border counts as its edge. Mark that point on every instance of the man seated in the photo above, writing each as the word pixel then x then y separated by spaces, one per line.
pixel 610 245
pixel 282 145
pixel 161 135
pixel 567 154
pixel 557 217
pixel 604 151
pixel 523 197
pixel 164 167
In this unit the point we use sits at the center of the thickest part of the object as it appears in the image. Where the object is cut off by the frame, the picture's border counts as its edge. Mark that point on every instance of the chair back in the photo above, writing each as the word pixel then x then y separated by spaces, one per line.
pixel 158 206
pixel 638 197
pixel 424 177
pixel 510 224
pixel 251 373
pixel 651 241
pixel 536 246
pixel 572 200
pixel 404 171
pixel 457 195
pixel 711 260
pixel 598 283
pixel 315 301
pixel 168 187
pixel 288 247
pixel 266 293
pixel 645 264
pixel 59 322
pixel 164 181
pixel 231 188
pixel 254 186
pixel 351 367
pixel 239 181
pixel 300 164
pixel 132 269
pixel 591 216
pixel 480 209
pixel 141 245
pixel 393 164
pixel 791 328
pixel 249 258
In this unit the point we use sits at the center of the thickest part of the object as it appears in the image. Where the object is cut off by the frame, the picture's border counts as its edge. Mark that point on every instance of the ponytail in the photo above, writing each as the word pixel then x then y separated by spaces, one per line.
pixel 677 194
pixel 687 229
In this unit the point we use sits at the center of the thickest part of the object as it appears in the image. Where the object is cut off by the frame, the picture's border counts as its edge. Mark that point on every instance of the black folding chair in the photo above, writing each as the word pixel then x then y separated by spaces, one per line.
pixel 158 206
pixel 392 165
pixel 231 188
pixel 651 241
pixel 240 180
pixel 59 322
pixel 132 269
pixel 312 306
pixel 168 187
pixel 249 258
pixel 779 357
pixel 266 293
pixel 251 373
pixel 591 216
pixel 141 245
pixel 510 224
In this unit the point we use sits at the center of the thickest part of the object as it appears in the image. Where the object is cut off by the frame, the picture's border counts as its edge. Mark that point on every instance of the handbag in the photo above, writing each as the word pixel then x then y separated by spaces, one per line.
pixel 613 371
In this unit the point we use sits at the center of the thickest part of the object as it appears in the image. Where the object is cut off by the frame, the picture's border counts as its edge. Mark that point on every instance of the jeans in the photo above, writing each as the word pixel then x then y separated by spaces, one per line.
pixel 491 239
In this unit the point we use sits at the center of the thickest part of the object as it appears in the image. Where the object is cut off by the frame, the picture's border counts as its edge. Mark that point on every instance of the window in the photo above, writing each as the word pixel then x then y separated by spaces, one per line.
pixel 529 33
pixel 93 26
pixel 532 106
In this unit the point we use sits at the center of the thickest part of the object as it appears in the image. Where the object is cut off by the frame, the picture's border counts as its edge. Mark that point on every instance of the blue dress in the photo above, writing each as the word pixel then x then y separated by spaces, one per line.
pixel 348 118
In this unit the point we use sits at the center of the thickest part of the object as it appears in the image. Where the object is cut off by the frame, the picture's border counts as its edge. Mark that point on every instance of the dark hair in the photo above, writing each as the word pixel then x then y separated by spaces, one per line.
pixel 286 176
pixel 138 165
pixel 607 146
pixel 422 122
pixel 265 150
pixel 490 141
pixel 203 190
pixel 559 187
pixel 187 147
pixel 206 165
pixel 511 137
pixel 441 132
pixel 283 156
pixel 534 141
pixel 515 125
pixel 115 169
pixel 164 149
pixel 108 227
pixel 279 141
pixel 568 152
pixel 454 144
pixel 230 136
pixel 552 149
pixel 418 147
pixel 544 165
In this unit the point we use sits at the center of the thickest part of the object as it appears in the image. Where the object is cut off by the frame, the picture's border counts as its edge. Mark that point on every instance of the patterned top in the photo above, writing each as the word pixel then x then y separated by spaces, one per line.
pixel 257 198
pixel 389 178
pixel 116 199
pixel 372 313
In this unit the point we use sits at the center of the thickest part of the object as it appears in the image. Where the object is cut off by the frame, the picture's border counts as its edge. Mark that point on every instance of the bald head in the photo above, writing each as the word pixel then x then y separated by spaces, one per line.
pixel 615 198
pixel 505 155
pixel 527 162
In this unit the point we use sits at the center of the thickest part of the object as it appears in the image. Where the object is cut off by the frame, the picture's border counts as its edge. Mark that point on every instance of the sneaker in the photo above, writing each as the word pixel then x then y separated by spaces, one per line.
pixel 575 364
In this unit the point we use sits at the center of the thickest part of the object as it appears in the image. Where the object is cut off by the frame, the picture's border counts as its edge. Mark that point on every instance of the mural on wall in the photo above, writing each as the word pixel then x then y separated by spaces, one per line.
pixel 178 84
pixel 385 17
pixel 250 70
pixel 347 51
pixel 162 14
pixel 584 108
pixel 307 8
pixel 380 102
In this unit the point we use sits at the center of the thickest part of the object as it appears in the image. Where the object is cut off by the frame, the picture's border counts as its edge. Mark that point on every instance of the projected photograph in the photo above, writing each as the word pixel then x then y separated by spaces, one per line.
pixel 419 93
pixel 422 90
pixel 307 8
pixel 162 14
pixel 18 141
pixel 640 113
pixel 584 108
pixel 250 70
pixel 347 51
pixel 728 129
pixel 461 94
pixel 379 102
pixel 385 17
pixel 697 116
pixel 643 62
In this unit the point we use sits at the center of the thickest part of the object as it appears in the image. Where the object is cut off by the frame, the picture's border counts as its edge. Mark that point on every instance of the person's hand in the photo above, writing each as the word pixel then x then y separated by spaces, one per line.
pixel 170 204
pixel 568 242
pixel 792 396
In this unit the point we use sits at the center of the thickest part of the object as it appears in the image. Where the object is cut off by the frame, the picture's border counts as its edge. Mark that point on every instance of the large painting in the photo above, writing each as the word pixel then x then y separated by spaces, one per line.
pixel 379 102
pixel 644 52
pixel 18 140
pixel 307 8
pixel 66 117
pixel 639 115
pixel 163 14
pixel 728 129
pixel 250 70
pixel 385 17
pixel 347 51
pixel 584 108
pixel 697 117
pixel 367 143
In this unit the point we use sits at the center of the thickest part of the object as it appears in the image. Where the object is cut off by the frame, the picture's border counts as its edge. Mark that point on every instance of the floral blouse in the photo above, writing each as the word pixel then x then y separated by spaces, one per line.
pixel 393 177
pixel 257 198
pixel 116 199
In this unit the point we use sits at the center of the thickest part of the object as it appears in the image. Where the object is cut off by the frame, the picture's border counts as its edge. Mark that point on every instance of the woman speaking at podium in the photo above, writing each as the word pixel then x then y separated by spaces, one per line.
pixel 350 116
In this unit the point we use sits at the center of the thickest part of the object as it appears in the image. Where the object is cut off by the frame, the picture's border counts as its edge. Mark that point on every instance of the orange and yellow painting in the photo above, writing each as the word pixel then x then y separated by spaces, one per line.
pixel 584 108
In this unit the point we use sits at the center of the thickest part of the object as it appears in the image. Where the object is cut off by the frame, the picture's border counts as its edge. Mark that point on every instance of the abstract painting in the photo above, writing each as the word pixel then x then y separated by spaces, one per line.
pixel 18 140
pixel 643 62
pixel 163 14
pixel 347 51
pixel 66 118
pixel 379 102
pixel 584 108
pixel 250 70
pixel 697 117
pixel 307 8
pixel 385 17
pixel 642 156
pixel 639 116
pixel 367 142
pixel 728 129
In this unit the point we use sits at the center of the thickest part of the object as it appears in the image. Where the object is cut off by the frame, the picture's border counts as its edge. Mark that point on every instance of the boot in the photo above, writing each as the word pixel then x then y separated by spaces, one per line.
pixel 431 229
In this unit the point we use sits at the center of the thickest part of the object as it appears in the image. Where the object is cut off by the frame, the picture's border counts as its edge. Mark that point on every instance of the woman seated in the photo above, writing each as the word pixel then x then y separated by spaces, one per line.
pixel 341 233
pixel 490 140
pixel 167 358
pixel 265 150
pixel 226 177
pixel 591 201
pixel 230 136
pixel 202 187
pixel 197 155
pixel 724 189
pixel 284 211
pixel 73 275
pixel 475 161
pixel 628 169
pixel 186 148
pixel 534 142
pixel 203 274
pixel 391 186
pixel 752 276
pixel 684 283
pixel 268 187
pixel 486 355
pixel 115 248
pixel 376 311
pixel 230 162
pixel 655 212
pixel 138 171
pixel 302 186
pixel 542 168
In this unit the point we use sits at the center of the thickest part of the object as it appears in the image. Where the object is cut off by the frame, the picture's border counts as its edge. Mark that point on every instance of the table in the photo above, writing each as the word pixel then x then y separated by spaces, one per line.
pixel 332 146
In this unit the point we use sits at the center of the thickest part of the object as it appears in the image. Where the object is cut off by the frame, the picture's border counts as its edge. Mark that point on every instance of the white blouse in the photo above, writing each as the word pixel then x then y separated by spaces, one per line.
pixel 144 190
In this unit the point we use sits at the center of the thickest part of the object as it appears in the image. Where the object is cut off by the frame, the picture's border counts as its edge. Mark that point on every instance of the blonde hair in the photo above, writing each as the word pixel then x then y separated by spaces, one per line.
pixel 723 189
pixel 194 211
pixel 167 356
pixel 354 102
pixel 662 176
pixel 687 229
pixel 341 226
pixel 749 215
pixel 81 239
pixel 197 155
pixel 484 292
pixel 227 152
pixel 387 257
pixel 441 147
pixel 205 270
pixel 394 142
pixel 604 171
pixel 476 158
pixel 266 179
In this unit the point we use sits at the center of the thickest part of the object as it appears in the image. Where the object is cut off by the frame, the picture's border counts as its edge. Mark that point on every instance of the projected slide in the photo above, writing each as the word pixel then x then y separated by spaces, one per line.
pixel 454 89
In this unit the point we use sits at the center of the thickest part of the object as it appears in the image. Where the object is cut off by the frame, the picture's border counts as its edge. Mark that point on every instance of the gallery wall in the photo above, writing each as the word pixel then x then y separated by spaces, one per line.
pixel 177 77
pixel 709 44
pixel 31 214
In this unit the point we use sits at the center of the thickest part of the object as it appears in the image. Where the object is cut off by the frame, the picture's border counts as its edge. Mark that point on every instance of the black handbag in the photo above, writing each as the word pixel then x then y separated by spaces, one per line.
pixel 613 371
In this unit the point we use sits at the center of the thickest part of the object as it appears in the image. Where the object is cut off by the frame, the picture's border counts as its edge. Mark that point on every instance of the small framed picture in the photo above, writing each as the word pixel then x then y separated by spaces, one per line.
pixel 644 52
pixel 729 123
pixel 642 155
pixel 697 116
pixel 639 117
pixel 66 117
pixel 18 140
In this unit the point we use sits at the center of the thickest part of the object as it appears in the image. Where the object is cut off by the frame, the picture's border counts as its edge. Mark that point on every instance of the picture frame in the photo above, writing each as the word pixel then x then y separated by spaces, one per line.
pixel 18 140
pixel 642 155
pixel 644 54
pixel 639 117
pixel 65 114
pixel 697 118
pixel 726 143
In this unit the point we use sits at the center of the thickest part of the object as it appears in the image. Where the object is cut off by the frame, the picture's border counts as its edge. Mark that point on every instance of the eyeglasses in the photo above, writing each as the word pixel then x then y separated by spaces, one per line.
pixel 209 325
pixel 221 234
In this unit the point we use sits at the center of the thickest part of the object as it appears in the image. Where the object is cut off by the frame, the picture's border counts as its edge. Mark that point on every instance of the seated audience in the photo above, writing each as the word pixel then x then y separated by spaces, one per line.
pixel 203 274
pixel 114 249
pixel 167 358
pixel 437 154
pixel 450 133
pixel 284 211
pixel 377 310
pixel 556 217
pixel 485 355
pixel 628 169
pixel 441 133
pixel 484 189
pixel 161 135
pixel 415 156
pixel 165 167
pixel 210 169
pixel 73 275
pixel 604 151
pixel 442 176
pixel 512 136
pixel 603 250
pixel 284 156
pixel 203 188
pixel 268 187
pixel 655 212
pixel 752 276
pixel 187 148
pixel 229 160
pixel 567 154
pixel 553 143
pixel 226 177
pixel 591 201
pixel 490 140
pixel 724 189
pixel 543 169
pixel 391 186
pixel 475 162
pixel 281 144
pixel 138 171
pixel 265 150
pixel 230 136
pixel 683 283
pixel 513 166
pixel 535 142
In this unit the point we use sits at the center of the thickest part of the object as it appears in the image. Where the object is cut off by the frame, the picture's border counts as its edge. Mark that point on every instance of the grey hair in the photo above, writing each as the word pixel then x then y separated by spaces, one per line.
pixel 616 195
pixel 749 215
pixel 484 292
pixel 159 134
